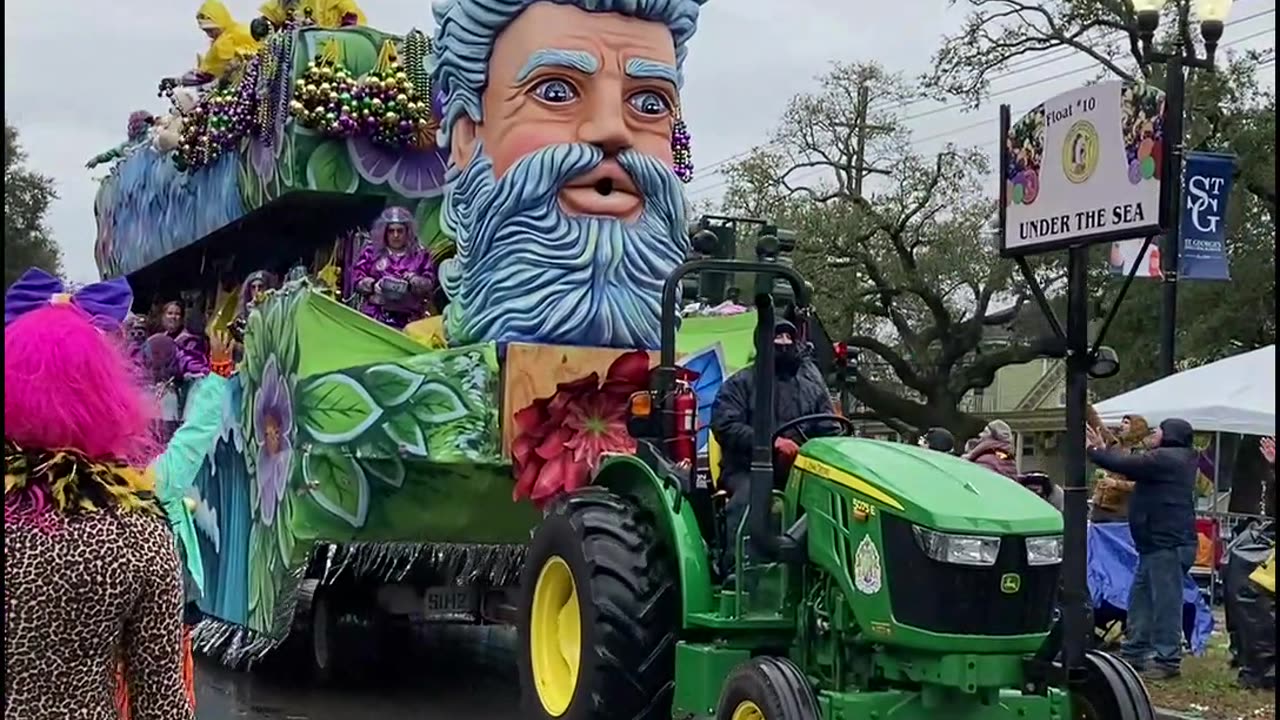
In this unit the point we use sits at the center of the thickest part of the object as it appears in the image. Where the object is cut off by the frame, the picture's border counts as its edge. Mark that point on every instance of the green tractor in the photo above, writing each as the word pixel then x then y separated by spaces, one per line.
pixel 884 582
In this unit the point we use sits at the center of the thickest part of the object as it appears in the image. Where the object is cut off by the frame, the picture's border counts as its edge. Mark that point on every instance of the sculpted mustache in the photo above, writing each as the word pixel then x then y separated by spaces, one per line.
pixel 556 166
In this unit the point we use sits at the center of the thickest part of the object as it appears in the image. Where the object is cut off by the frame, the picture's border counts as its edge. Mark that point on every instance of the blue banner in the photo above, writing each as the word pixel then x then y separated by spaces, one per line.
pixel 1207 179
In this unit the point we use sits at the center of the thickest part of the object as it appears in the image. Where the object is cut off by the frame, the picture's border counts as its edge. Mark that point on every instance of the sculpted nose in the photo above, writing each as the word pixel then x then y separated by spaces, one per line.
pixel 605 125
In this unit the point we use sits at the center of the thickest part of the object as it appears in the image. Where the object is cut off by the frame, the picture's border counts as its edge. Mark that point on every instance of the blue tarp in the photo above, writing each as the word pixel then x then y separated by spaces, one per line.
pixel 1112 563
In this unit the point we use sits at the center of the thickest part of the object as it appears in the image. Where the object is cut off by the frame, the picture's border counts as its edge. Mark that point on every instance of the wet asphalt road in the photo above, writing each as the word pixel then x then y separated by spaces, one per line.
pixel 452 674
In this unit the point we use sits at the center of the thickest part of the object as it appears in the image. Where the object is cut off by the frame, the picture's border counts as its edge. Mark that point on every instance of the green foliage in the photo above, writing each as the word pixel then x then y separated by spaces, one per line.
pixel 896 245
pixel 27 196
pixel 1227 111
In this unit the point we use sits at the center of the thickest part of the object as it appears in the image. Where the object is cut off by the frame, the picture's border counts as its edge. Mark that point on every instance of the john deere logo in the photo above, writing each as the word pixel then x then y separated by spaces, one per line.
pixel 1080 152
pixel 1010 583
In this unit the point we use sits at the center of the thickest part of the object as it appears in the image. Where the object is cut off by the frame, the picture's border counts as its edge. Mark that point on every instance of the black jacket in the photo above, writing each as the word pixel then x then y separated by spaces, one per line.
pixel 803 394
pixel 1162 511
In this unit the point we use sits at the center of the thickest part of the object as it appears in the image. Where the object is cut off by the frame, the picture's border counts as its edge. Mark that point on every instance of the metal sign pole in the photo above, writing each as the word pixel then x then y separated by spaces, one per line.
pixel 1075 597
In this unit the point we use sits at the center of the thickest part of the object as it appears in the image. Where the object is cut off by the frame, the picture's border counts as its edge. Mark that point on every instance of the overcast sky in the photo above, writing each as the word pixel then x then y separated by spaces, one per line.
pixel 72 77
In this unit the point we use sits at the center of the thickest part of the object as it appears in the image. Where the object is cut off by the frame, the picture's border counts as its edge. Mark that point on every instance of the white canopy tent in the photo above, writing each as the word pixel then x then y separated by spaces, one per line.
pixel 1233 395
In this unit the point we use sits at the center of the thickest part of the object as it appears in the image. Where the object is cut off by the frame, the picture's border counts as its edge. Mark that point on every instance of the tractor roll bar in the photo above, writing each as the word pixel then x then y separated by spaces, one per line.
pixel 763 538
pixel 671 292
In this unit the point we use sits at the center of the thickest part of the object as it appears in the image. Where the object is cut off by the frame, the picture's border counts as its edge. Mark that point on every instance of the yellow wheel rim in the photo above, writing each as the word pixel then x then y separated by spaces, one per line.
pixel 555 637
pixel 748 711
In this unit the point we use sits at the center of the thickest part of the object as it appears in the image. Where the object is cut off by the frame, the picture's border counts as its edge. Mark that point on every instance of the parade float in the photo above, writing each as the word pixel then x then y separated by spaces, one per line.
pixel 358 469
pixel 529 453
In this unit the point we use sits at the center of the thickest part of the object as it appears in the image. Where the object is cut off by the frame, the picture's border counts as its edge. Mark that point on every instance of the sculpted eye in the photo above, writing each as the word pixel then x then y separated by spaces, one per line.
pixel 648 102
pixel 555 92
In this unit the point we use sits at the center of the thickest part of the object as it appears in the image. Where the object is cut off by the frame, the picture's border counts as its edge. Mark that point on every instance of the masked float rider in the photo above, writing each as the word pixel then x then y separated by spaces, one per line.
pixel 394 275
pixel 138 132
pixel 252 291
pixel 798 391
pixel 230 43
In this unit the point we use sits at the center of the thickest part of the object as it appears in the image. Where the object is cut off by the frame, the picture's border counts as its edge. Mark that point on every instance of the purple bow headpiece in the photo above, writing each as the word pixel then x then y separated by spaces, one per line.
pixel 107 303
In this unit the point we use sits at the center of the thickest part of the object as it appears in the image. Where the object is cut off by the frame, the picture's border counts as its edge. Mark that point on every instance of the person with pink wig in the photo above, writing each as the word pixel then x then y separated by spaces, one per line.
pixel 394 274
pixel 92 577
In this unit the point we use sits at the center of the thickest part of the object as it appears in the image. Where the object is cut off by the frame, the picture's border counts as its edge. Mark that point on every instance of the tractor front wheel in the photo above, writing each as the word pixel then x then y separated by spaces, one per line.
pixel 599 612
pixel 1111 691
pixel 767 688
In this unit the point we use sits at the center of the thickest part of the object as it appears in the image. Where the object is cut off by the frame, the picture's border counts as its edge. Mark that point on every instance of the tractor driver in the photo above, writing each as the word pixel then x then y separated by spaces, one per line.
pixel 798 391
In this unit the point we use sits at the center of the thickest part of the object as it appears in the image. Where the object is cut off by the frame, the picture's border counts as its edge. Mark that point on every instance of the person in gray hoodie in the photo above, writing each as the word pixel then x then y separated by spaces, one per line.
pixel 1162 519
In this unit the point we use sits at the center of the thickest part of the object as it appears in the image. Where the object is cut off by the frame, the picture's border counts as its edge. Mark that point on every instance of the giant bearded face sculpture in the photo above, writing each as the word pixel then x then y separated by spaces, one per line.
pixel 563 202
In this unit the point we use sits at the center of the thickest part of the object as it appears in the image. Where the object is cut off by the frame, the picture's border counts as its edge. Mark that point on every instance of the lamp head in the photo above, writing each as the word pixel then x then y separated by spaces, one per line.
pixel 705 242
pixel 1213 11
pixel 1105 364
pixel 1148 14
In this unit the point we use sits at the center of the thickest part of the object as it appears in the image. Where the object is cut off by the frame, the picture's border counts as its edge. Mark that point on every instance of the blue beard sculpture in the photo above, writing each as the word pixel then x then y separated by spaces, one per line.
pixel 527 271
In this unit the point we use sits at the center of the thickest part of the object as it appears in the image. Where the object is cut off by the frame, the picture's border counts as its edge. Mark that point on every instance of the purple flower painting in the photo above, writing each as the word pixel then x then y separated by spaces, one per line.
pixel 273 429
pixel 411 173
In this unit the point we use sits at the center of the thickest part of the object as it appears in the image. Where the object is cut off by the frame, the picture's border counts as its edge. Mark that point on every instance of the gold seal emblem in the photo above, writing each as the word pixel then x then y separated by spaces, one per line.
pixel 1080 152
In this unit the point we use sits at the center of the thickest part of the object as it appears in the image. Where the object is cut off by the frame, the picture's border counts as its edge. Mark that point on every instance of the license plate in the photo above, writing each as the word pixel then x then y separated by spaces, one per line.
pixel 449 603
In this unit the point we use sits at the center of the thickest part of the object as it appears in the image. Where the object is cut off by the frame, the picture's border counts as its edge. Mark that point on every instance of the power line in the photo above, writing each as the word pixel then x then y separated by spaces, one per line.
pixel 952 131
pixel 1016 68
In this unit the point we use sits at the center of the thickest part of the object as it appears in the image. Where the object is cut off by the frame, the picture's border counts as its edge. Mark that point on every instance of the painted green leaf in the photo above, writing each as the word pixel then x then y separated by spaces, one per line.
pixel 376 445
pixel 250 187
pixel 403 429
pixel 284 166
pixel 338 484
pixel 435 403
pixel 262 581
pixel 433 238
pixel 329 169
pixel 391 385
pixel 389 470
pixel 284 528
pixel 336 409
pixel 358 52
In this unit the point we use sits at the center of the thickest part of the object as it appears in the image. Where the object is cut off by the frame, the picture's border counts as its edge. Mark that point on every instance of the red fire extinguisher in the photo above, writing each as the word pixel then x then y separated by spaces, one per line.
pixel 684 409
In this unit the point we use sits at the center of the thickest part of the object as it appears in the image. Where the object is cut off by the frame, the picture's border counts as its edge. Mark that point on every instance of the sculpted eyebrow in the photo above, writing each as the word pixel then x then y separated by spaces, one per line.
pixel 582 61
pixel 642 69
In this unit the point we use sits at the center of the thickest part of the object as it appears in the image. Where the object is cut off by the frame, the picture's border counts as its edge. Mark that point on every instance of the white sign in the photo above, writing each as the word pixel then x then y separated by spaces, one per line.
pixel 1084 166
pixel 866 567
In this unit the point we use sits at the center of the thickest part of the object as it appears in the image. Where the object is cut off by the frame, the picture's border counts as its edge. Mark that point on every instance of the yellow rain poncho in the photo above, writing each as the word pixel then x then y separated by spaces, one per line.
pixel 324 13
pixel 234 40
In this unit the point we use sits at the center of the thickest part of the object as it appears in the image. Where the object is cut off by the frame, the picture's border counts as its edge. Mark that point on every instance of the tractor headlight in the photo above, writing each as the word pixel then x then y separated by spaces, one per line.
pixel 959 549
pixel 1044 550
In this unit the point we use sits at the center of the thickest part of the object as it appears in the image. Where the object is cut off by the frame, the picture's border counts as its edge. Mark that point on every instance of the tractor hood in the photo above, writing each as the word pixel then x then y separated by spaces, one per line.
pixel 930 488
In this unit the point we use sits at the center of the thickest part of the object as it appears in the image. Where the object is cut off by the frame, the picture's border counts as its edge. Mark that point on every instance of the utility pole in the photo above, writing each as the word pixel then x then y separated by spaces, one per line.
pixel 862 132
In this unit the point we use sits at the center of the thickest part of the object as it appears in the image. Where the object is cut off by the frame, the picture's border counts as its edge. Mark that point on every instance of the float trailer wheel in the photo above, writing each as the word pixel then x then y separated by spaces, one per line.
pixel 310 652
pixel 598 613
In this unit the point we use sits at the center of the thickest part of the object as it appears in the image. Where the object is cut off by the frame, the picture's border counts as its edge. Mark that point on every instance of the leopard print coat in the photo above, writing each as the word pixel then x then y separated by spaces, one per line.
pixel 83 591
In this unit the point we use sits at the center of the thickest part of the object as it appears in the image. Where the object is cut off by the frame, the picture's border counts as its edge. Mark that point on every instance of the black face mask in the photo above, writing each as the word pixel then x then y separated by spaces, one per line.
pixel 786 358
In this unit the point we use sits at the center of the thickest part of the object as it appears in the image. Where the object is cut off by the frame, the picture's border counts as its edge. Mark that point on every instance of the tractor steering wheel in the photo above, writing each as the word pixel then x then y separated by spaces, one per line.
pixel 798 424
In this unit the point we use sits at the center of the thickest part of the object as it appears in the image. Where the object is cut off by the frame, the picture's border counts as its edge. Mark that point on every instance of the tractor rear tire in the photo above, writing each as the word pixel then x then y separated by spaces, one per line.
pixel 599 613
pixel 1112 691
pixel 768 688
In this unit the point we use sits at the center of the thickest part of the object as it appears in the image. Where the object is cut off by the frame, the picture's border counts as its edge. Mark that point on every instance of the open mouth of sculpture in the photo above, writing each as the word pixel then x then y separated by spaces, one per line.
pixel 606 190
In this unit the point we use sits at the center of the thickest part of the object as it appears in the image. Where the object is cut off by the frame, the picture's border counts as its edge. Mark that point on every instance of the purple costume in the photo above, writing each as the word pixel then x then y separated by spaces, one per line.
pixel 163 361
pixel 394 285
pixel 193 355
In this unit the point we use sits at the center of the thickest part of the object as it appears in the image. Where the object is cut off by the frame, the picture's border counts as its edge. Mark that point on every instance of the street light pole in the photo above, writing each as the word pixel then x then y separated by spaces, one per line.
pixel 1212 14
pixel 1175 99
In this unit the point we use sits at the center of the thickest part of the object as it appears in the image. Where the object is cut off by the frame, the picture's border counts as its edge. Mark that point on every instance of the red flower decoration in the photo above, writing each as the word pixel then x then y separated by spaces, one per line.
pixel 560 440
